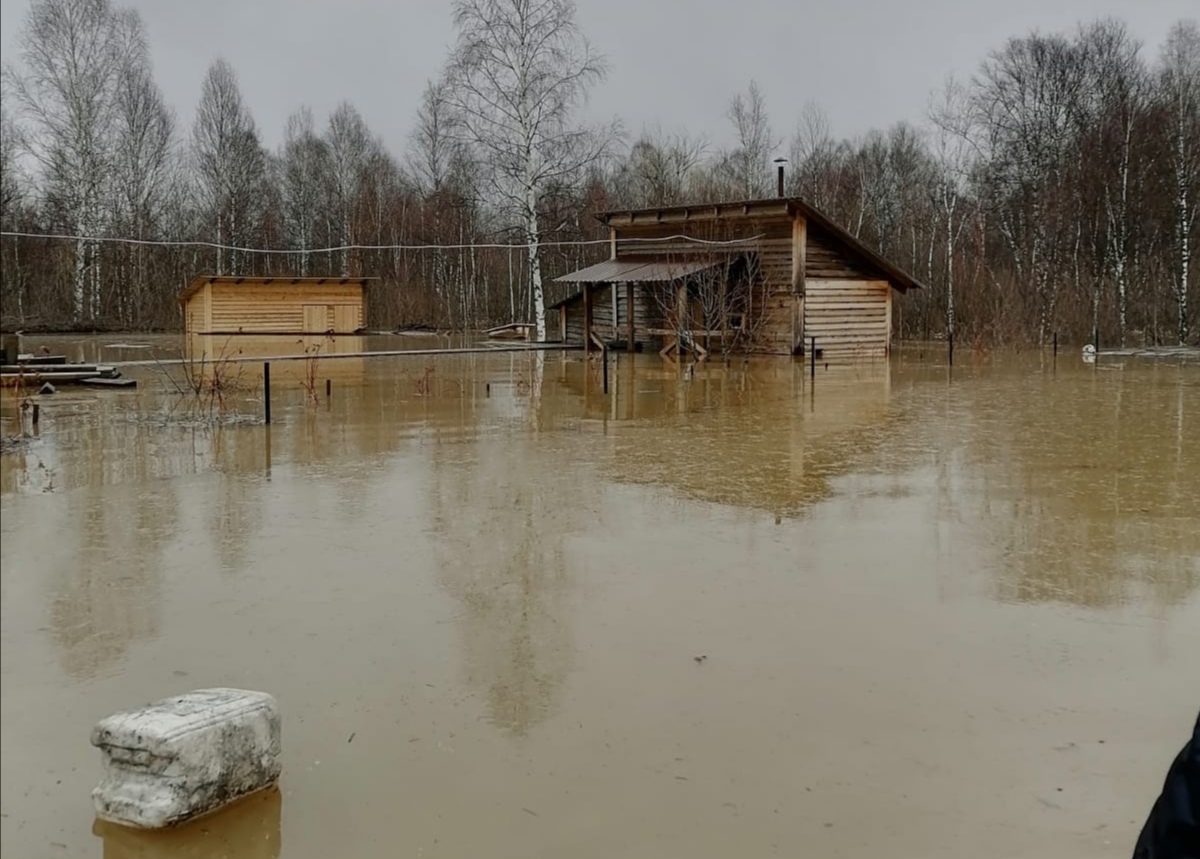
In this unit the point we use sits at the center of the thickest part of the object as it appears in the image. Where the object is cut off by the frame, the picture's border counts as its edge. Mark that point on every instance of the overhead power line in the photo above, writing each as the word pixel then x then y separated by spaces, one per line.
pixel 166 243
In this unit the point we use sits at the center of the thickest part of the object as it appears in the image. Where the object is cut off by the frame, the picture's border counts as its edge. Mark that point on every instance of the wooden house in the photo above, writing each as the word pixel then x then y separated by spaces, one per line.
pixel 754 275
pixel 274 305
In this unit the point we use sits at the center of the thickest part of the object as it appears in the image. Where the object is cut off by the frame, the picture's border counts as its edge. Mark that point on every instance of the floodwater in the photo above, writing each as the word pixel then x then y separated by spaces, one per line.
pixel 889 613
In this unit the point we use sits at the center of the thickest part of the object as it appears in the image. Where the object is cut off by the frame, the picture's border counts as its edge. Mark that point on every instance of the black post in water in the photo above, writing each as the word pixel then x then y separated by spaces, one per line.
pixel 812 358
pixel 1055 344
pixel 604 360
pixel 1096 339
pixel 950 346
pixel 267 392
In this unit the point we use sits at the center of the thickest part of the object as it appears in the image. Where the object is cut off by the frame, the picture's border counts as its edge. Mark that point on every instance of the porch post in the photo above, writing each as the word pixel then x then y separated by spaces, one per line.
pixel 629 313
pixel 587 318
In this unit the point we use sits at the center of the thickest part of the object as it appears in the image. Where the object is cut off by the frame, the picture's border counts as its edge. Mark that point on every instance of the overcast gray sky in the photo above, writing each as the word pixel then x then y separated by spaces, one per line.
pixel 674 63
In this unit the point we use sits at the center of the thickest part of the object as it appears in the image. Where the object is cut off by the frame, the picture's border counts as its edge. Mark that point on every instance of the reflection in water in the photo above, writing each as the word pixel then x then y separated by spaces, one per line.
pixel 761 436
pixel 248 829
pixel 1092 494
pixel 111 596
pixel 470 579
pixel 501 516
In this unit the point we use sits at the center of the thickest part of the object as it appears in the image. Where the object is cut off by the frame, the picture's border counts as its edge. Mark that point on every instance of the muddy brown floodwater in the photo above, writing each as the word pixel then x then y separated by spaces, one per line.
pixel 508 615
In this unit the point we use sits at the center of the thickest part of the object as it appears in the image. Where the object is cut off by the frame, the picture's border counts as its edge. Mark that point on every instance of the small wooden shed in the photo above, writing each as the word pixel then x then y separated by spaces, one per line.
pixel 750 275
pixel 217 304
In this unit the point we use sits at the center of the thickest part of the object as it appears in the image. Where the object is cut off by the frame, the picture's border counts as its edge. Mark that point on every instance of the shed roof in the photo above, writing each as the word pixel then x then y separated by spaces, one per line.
pixel 200 280
pixel 638 270
pixel 764 208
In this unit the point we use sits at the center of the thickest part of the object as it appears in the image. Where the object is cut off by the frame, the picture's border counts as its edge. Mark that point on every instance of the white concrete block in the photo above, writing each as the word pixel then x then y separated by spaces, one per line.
pixel 181 757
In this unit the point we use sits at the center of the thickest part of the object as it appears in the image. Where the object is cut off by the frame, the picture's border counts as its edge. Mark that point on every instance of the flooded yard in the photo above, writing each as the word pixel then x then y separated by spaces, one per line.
pixel 735 612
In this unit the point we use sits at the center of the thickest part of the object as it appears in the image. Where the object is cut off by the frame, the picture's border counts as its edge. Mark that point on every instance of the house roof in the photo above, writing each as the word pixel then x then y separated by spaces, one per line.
pixel 638 270
pixel 201 280
pixel 773 207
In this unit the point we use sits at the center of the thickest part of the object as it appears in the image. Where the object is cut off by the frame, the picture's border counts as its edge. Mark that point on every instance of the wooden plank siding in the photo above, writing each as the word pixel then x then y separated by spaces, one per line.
pixel 848 318
pixel 276 308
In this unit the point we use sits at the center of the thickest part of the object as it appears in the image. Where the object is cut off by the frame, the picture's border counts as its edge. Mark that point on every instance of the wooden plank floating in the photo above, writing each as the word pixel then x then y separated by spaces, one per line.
pixel 102 382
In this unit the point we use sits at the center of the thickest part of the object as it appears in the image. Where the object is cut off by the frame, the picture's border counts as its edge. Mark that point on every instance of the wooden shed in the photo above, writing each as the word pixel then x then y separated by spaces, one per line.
pixel 751 275
pixel 214 304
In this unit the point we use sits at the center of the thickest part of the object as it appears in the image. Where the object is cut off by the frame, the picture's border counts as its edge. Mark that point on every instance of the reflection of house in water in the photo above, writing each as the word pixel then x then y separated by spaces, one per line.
pixel 501 517
pixel 237 357
pixel 760 435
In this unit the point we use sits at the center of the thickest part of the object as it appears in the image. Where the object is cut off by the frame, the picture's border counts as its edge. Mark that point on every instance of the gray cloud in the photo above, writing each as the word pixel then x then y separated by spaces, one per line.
pixel 674 63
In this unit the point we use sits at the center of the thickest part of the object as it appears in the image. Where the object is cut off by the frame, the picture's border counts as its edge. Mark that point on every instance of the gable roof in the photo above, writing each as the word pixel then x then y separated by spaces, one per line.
pixel 199 280
pixel 776 207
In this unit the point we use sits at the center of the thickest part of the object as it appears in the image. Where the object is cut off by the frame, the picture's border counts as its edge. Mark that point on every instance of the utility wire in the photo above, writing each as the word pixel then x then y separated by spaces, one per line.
pixel 487 245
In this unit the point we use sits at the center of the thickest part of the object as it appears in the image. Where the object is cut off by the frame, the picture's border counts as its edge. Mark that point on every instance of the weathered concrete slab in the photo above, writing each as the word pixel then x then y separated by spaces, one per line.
pixel 185 756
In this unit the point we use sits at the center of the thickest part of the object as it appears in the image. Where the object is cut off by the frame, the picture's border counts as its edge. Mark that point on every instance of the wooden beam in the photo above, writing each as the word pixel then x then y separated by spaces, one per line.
pixel 629 312
pixel 612 242
pixel 799 252
pixel 562 323
pixel 587 318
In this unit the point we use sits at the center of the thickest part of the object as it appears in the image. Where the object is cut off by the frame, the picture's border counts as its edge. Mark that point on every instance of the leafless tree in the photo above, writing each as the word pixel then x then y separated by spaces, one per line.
pixel 1179 94
pixel 750 161
pixel 953 153
pixel 519 71
pixel 1026 96
pixel 229 159
pixel 814 158
pixel 72 53
pixel 350 145
pixel 658 169
pixel 142 163
pixel 304 164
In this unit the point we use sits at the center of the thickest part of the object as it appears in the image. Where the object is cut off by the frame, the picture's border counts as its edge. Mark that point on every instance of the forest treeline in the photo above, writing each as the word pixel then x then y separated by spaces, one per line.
pixel 1055 189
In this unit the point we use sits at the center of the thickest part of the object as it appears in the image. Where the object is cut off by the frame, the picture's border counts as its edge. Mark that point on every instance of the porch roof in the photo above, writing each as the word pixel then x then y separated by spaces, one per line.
pixel 640 270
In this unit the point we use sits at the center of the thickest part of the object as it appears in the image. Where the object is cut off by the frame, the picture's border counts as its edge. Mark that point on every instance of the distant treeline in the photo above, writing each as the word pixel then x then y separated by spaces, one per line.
pixel 1055 190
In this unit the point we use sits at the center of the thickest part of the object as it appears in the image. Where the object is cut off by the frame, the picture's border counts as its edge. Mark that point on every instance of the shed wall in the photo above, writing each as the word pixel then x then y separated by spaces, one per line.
pixel 848 318
pixel 279 308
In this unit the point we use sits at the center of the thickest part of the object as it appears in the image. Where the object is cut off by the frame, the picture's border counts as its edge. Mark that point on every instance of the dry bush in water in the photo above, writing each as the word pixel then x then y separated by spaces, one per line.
pixel 206 386
pixel 312 357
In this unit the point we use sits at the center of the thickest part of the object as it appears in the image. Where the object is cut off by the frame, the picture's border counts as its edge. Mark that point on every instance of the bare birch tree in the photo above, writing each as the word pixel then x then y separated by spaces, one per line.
pixel 304 169
pixel 1179 92
pixel 350 146
pixel 949 113
pixel 519 71
pixel 142 163
pixel 229 160
pixel 72 53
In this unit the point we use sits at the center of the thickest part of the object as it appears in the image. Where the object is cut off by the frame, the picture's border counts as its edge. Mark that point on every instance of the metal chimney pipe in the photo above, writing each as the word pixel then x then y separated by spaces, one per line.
pixel 779 162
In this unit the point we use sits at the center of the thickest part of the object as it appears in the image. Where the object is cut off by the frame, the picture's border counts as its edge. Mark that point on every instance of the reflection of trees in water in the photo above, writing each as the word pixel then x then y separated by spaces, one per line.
pixel 237 515
pixel 1088 487
pixel 501 513
pixel 110 596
